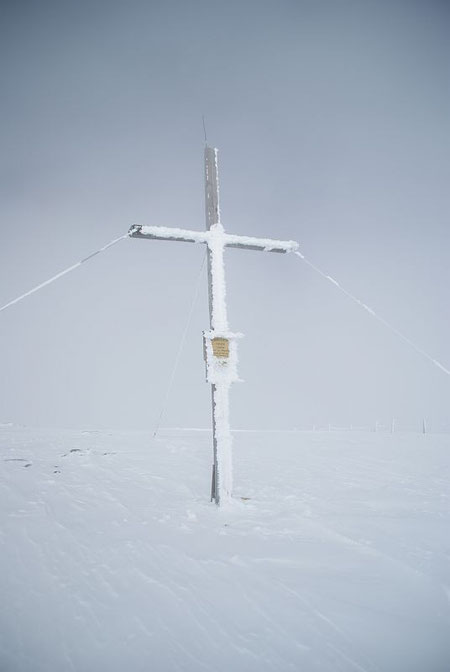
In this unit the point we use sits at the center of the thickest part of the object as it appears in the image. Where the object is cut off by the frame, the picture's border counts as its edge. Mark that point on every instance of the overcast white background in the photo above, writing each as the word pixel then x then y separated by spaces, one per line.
pixel 332 121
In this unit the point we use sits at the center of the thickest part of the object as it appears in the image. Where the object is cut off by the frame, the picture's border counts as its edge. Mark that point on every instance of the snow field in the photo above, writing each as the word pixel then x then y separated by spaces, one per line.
pixel 112 557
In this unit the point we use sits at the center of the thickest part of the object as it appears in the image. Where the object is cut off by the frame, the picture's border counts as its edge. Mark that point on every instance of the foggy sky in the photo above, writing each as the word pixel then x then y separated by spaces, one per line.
pixel 332 123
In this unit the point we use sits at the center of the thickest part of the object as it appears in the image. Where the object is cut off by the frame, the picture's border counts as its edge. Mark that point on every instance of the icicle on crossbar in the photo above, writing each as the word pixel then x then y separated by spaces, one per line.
pixel 374 314
pixel 62 273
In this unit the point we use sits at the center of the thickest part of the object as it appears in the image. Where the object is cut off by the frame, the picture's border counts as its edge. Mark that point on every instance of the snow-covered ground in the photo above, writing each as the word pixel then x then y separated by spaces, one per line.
pixel 113 559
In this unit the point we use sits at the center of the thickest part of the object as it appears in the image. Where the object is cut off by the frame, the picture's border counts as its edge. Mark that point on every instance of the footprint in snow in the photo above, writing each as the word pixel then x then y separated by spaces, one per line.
pixel 18 459
pixel 72 450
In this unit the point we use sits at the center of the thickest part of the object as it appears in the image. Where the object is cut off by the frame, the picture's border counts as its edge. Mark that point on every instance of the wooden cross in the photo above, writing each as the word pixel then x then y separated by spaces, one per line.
pixel 220 344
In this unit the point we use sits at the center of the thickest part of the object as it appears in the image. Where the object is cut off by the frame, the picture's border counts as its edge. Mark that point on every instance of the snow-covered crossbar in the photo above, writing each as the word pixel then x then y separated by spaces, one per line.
pixel 216 235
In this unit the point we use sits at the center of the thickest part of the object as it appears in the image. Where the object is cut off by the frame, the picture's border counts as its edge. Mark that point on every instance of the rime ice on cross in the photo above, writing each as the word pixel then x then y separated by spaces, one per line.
pixel 220 343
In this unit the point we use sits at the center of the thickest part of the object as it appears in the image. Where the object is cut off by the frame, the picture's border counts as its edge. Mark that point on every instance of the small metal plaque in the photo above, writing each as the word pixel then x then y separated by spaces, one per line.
pixel 220 347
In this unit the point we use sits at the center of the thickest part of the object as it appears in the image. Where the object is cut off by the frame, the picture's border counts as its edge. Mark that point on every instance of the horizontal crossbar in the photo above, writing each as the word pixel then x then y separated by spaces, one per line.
pixel 229 240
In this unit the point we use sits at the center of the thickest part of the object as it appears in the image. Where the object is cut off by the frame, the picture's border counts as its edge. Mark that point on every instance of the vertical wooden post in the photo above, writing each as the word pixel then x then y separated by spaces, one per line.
pixel 212 214
pixel 221 472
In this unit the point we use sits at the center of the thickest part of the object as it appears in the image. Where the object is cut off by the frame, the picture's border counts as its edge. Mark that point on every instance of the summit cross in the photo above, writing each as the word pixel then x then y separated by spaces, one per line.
pixel 220 344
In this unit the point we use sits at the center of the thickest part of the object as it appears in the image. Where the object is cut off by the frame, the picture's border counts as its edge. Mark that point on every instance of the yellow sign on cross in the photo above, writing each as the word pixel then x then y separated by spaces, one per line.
pixel 221 347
